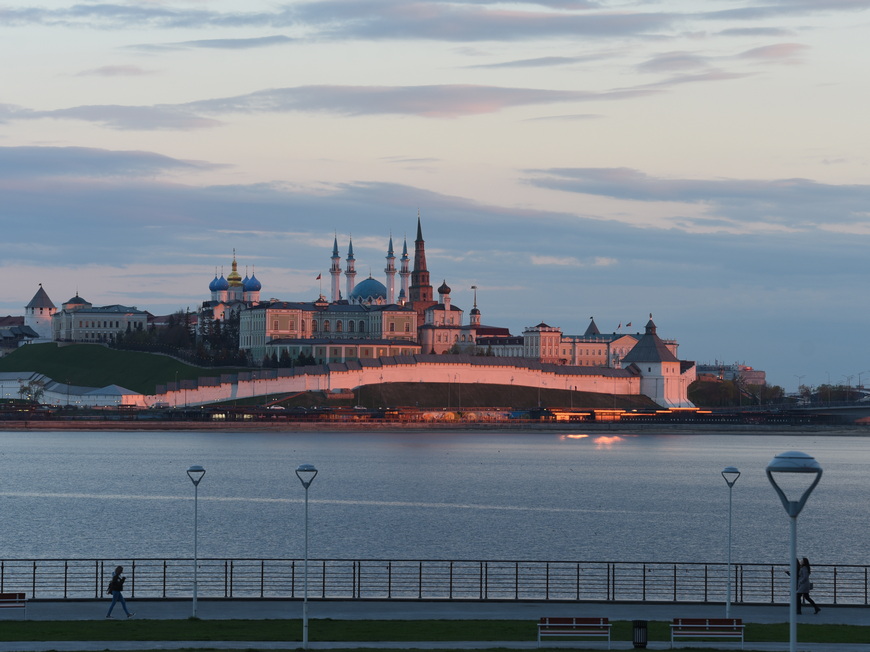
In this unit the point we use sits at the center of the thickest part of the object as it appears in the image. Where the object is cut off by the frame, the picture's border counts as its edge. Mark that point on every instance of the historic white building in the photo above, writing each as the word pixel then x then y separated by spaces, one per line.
pixel 80 321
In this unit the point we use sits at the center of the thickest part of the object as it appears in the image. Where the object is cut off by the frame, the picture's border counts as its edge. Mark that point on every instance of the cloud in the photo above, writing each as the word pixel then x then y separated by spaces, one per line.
pixel 433 101
pixel 539 62
pixel 41 162
pixel 572 261
pixel 671 61
pixel 115 71
pixel 742 204
pixel 784 52
pixel 128 117
pixel 783 8
pixel 220 43
pixel 458 21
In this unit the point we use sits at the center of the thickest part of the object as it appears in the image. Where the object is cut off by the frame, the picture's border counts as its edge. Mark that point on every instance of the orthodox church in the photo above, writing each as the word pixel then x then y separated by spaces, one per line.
pixel 230 295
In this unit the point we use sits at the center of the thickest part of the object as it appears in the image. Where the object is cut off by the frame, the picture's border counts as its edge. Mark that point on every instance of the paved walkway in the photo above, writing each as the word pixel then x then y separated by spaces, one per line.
pixel 340 610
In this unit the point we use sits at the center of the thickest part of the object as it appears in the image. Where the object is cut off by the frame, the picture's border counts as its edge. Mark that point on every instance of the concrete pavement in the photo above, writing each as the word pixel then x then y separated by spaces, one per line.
pixel 396 610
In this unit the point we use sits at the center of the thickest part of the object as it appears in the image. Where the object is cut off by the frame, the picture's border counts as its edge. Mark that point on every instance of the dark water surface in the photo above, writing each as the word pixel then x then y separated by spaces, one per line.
pixel 424 495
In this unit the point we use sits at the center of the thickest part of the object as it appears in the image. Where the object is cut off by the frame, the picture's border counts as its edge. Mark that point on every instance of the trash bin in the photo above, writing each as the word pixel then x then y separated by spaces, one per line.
pixel 639 633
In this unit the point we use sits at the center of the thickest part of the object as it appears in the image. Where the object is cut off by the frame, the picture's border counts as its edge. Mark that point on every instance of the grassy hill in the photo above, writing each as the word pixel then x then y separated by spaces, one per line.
pixel 93 365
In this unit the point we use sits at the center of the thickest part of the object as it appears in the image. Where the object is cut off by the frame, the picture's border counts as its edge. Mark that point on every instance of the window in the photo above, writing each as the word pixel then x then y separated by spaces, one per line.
pixel 407 327
pixel 392 327
pixel 350 326
pixel 275 325
pixel 339 327
pixel 325 325
pixel 314 325
pixel 362 326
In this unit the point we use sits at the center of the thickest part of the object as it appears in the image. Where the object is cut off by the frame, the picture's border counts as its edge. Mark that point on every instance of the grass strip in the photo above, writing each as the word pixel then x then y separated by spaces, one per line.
pixel 370 631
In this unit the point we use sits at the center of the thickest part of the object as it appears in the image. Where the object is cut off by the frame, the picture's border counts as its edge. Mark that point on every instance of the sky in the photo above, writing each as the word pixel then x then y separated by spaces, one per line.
pixel 703 162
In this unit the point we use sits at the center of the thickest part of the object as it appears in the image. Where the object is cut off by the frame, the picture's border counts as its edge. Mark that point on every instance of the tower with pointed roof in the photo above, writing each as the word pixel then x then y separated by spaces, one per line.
pixel 420 292
pixel 404 273
pixel 390 271
pixel 474 316
pixel 663 377
pixel 335 271
pixel 350 272
pixel 38 313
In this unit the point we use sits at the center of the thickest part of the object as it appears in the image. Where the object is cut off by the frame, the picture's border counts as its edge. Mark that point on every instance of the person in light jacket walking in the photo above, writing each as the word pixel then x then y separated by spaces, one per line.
pixel 804 586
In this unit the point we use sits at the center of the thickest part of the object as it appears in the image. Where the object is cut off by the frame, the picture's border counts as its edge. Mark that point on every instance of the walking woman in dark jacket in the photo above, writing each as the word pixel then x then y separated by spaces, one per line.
pixel 804 586
pixel 115 588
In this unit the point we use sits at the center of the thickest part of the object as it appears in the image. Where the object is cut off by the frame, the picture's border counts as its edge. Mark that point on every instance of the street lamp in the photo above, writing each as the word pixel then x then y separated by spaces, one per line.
pixel 730 473
pixel 195 473
pixel 792 468
pixel 305 473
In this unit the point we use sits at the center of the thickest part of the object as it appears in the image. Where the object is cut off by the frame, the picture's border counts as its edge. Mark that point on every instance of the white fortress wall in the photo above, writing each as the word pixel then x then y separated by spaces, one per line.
pixel 338 377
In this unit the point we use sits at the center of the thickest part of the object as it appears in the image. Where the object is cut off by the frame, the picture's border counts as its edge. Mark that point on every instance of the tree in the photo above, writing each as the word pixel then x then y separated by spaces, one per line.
pixel 33 391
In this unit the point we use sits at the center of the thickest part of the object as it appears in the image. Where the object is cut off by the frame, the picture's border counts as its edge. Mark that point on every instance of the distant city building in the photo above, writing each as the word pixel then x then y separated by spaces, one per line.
pixel 372 321
pixel 734 371
pixel 14 333
pixel 328 332
pixel 80 321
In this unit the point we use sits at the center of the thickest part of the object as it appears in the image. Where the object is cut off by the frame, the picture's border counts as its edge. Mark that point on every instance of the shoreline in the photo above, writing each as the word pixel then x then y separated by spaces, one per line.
pixel 314 426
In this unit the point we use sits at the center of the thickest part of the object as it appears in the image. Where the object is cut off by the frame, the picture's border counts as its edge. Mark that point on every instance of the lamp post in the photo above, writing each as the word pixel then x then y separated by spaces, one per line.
pixel 793 468
pixel 730 473
pixel 305 473
pixel 195 473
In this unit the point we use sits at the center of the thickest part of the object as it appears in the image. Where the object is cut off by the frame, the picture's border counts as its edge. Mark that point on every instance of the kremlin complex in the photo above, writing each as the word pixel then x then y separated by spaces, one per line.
pixel 373 333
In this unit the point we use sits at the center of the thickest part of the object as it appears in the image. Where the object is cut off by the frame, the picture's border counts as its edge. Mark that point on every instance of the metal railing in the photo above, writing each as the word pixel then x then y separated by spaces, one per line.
pixel 378 579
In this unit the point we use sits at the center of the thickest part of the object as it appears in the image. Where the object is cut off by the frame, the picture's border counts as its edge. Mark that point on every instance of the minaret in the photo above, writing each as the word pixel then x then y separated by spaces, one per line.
pixel 405 272
pixel 475 313
pixel 391 273
pixel 350 272
pixel 335 270
pixel 421 290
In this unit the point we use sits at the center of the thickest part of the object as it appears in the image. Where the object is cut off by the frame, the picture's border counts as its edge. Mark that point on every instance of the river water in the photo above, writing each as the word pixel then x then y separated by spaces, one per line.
pixel 424 495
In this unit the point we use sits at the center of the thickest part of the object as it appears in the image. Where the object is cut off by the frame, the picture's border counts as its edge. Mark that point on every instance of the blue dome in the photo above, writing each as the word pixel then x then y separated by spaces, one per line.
pixel 369 290
pixel 252 284
pixel 219 284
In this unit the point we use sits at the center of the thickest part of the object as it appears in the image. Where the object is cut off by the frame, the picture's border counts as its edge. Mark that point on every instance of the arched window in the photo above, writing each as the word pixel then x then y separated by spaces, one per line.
pixel 339 326
pixel 314 325
pixel 350 325
pixel 362 326
pixel 325 325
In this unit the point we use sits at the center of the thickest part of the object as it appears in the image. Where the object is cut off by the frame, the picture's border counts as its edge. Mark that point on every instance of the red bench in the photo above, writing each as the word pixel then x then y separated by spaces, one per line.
pixel 14 601
pixel 707 628
pixel 599 627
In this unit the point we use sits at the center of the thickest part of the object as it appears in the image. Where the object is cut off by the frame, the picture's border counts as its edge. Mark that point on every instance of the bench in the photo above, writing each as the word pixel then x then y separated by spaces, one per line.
pixel 599 627
pixel 707 628
pixel 14 601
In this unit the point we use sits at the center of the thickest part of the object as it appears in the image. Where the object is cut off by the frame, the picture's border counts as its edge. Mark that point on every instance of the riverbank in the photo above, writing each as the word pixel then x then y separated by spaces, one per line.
pixel 90 425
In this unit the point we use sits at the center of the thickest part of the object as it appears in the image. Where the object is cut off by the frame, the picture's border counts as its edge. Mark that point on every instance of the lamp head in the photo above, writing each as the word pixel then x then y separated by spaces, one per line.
pixel 730 473
pixel 798 472
pixel 195 473
pixel 306 473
